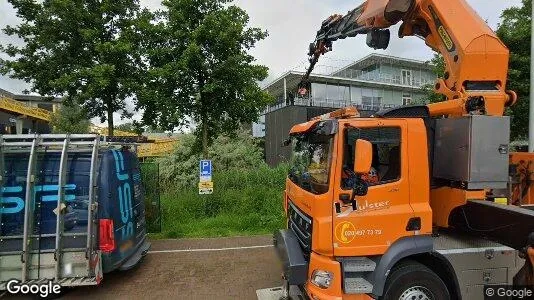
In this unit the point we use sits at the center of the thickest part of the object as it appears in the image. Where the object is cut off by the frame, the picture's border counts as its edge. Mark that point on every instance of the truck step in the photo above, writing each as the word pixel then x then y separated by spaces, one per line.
pixel 358 264
pixel 357 285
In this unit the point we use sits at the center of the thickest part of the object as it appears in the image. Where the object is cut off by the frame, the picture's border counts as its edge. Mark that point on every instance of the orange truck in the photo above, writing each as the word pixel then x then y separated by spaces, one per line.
pixel 417 202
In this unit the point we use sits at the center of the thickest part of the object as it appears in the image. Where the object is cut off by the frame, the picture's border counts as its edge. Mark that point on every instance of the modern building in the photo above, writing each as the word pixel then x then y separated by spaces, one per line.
pixel 25 113
pixel 370 84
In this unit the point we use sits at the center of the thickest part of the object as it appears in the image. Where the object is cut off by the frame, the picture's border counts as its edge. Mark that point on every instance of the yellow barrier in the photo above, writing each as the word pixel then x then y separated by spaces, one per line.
pixel 104 131
pixel 20 108
pixel 157 149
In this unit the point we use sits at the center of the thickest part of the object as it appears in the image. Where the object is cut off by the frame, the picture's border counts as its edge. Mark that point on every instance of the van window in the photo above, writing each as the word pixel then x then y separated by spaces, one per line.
pixel 386 165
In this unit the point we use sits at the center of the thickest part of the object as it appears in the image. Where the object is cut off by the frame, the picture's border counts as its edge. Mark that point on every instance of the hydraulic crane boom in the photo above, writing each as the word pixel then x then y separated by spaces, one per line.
pixel 476 60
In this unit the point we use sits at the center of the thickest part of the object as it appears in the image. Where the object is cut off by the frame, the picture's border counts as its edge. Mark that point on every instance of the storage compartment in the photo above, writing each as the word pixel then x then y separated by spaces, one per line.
pixel 473 150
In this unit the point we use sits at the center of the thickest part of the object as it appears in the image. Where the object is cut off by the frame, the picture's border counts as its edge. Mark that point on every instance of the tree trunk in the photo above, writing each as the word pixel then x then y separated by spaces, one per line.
pixel 205 138
pixel 110 122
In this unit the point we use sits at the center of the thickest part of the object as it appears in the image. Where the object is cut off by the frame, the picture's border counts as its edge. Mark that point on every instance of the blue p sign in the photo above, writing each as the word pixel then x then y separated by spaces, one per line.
pixel 205 168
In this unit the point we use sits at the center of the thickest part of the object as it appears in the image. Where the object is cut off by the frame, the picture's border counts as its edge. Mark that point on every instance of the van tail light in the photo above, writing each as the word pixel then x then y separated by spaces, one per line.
pixel 107 237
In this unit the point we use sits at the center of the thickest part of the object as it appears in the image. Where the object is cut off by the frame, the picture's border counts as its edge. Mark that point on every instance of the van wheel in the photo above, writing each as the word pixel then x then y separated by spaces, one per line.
pixel 411 280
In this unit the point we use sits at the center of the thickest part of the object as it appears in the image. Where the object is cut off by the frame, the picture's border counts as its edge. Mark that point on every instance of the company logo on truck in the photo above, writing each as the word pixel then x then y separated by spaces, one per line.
pixel 444 35
pixel 125 195
pixel 12 203
pixel 345 232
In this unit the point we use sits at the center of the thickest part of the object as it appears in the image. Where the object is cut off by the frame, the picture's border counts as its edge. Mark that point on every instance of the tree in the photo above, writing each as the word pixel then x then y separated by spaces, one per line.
pixel 83 50
pixel 438 67
pixel 199 68
pixel 515 31
pixel 70 119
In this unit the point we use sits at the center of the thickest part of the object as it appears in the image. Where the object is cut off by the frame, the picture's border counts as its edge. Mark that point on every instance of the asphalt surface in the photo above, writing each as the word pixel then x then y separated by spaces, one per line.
pixel 222 268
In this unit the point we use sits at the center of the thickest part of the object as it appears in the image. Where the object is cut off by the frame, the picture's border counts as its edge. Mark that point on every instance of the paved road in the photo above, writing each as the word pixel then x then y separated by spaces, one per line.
pixel 170 272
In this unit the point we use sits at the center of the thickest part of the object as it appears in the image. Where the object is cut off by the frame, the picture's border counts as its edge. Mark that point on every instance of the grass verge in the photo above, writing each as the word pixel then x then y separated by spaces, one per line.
pixel 244 202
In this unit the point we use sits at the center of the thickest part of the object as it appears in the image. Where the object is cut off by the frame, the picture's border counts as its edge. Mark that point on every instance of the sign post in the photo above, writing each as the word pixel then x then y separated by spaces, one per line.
pixel 205 185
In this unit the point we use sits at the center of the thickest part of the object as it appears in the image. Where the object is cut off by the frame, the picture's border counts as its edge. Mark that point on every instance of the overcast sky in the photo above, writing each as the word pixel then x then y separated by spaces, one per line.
pixel 292 26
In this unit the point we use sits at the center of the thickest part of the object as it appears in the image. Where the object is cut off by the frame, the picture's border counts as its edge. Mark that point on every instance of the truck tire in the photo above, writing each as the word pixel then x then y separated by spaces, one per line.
pixel 411 280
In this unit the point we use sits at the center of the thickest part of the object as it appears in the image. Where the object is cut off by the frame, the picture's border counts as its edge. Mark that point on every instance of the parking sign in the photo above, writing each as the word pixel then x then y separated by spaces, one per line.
pixel 205 170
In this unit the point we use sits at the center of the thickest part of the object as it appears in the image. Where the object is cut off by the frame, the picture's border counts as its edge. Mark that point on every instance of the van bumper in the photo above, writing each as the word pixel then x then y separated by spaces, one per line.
pixel 290 254
pixel 136 257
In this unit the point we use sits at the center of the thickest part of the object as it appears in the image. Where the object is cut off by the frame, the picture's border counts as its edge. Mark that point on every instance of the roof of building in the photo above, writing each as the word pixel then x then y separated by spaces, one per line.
pixel 28 98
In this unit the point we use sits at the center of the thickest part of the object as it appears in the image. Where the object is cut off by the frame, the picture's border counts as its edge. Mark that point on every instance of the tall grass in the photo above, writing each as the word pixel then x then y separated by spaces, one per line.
pixel 244 202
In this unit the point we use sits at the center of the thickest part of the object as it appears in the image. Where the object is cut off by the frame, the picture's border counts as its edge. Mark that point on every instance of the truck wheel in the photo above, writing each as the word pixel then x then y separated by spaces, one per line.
pixel 411 280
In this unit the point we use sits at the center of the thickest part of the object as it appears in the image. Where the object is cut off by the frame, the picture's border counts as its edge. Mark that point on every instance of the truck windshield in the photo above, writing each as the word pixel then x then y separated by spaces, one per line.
pixel 310 162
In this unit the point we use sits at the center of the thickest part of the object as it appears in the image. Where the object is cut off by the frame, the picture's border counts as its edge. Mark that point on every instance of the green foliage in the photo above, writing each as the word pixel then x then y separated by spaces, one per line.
pixel 199 67
pixel 238 152
pixel 247 196
pixel 84 50
pixel 244 202
pixel 438 67
pixel 515 32
pixel 70 119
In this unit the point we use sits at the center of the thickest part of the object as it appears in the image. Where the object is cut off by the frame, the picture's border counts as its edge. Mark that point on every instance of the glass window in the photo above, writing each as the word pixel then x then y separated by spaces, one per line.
pixel 356 93
pixel 386 166
pixel 367 101
pixel 377 102
pixel 367 92
pixel 406 77
pixel 406 99
pixel 332 92
pixel 345 92
pixel 310 162
pixel 371 103
pixel 318 91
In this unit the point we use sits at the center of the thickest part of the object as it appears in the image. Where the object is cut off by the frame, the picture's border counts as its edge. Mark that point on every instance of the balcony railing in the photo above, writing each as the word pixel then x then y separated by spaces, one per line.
pixel 328 103
pixel 414 81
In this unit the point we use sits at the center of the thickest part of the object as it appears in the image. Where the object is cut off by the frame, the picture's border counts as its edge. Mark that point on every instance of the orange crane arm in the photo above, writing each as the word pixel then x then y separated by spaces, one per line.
pixel 476 60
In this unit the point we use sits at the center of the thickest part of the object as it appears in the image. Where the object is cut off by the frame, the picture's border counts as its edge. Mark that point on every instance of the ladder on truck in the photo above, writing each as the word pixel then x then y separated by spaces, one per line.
pixel 34 170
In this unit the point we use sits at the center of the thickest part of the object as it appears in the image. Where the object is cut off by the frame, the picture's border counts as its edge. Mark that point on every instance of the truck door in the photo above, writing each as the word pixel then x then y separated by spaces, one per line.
pixel 373 222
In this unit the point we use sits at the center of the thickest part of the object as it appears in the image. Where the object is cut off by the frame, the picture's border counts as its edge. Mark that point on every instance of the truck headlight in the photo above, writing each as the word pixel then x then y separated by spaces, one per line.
pixel 322 279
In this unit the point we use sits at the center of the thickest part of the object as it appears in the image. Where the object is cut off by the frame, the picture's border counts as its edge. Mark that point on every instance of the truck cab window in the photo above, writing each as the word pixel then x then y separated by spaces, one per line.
pixel 386 165
pixel 310 162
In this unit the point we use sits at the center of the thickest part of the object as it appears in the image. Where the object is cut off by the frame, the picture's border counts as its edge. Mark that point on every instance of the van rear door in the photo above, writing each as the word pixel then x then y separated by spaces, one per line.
pixel 46 216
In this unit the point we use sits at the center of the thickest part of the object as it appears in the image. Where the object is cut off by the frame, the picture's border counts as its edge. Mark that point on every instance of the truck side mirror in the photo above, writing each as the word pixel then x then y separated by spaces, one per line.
pixel 363 156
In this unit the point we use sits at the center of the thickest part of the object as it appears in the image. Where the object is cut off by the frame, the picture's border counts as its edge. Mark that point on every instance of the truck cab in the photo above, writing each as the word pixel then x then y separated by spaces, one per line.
pixel 359 211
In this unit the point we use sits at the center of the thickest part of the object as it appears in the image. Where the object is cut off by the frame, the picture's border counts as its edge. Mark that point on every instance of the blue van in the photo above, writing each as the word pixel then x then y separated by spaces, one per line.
pixel 71 209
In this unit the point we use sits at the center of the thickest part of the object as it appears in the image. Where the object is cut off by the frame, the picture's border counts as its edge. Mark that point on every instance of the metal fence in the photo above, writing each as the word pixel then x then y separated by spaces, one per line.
pixel 150 179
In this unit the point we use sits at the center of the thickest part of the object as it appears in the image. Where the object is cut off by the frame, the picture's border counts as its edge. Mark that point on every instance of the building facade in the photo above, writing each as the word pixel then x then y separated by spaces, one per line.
pixel 373 83
pixel 12 122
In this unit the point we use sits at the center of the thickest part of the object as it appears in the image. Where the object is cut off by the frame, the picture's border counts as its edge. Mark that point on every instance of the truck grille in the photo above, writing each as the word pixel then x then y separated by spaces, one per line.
pixel 301 224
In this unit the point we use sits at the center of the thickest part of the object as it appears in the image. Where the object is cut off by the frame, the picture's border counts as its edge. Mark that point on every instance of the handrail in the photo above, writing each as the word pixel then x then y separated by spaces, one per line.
pixel 18 107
